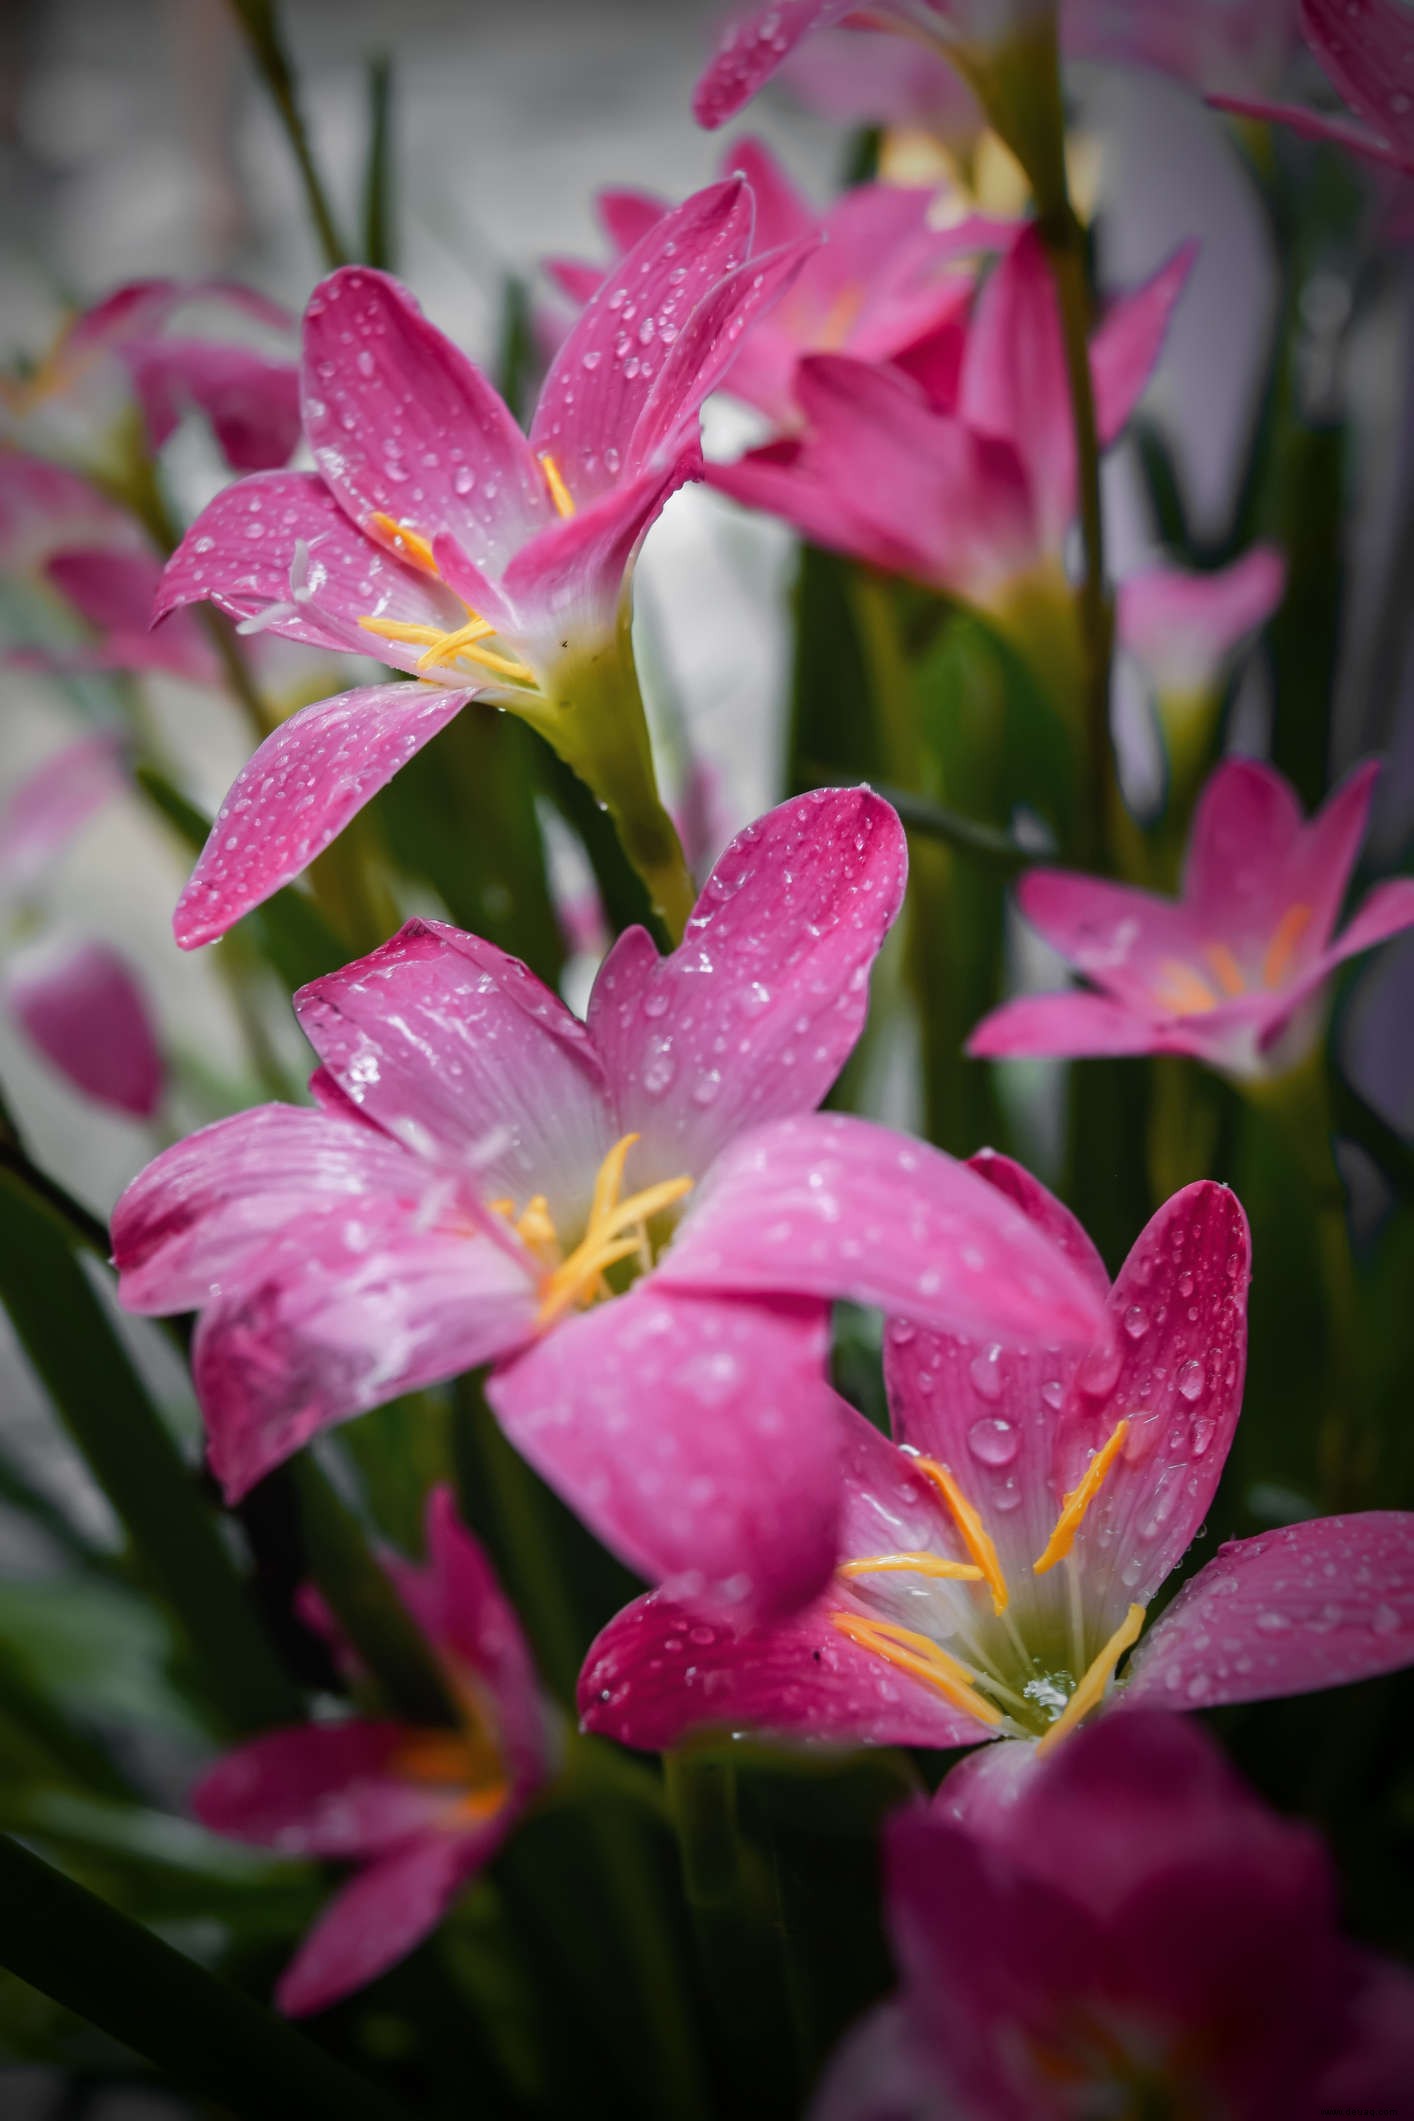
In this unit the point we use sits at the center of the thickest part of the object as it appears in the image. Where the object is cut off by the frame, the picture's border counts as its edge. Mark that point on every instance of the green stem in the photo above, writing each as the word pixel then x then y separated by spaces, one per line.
pixel 197 2031
pixel 261 23
pixel 378 172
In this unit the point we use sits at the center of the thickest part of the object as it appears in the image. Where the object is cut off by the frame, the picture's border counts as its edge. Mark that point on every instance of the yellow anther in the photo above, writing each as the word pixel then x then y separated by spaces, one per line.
pixel 912 1565
pixel 974 1534
pixel 1091 1690
pixel 1225 965
pixel 416 635
pixel 1183 991
pixel 921 1658
pixel 614 1230
pixel 559 492
pixel 1078 1501
pixel 1282 947
pixel 403 543
pixel 444 649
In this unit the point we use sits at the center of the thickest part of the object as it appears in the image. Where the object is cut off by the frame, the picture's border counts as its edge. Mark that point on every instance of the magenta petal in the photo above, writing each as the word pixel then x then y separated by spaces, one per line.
pixel 660 1672
pixel 320 1789
pixel 1365 47
pixel 81 1006
pixel 460 1052
pixel 1388 911
pixel 252 403
pixel 832 1206
pixel 783 214
pixel 380 1915
pixel 401 423
pixel 1013 384
pixel 1069 1026
pixel 568 580
pixel 1125 350
pixel 1041 1207
pixel 1183 627
pixel 309 777
pixel 755 1013
pixel 1313 1605
pixel 697 1438
pixel 1124 939
pixel 52 804
pixel 751 51
pixel 627 216
pixel 1335 130
pixel 1324 855
pixel 474 1624
pixel 45 506
pixel 1247 831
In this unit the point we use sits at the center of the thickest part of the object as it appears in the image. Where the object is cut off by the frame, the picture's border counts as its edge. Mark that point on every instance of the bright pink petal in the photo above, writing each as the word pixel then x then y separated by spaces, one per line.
pixel 380 1915
pixel 1069 1026
pixel 474 1625
pixel 1125 350
pixel 1014 385
pixel 1313 1605
pixel 1242 852
pixel 1325 854
pixel 1183 627
pixel 459 1051
pixel 660 1672
pixel 1041 1207
pixel 80 1004
pixel 308 778
pixel 53 803
pixel 627 216
pixel 1366 48
pixel 321 1789
pixel 755 1013
pixel 349 1313
pixel 402 424
pixel 568 582
pixel 1388 911
pixel 251 402
pixel 832 1206
pixel 698 1438
pixel 1333 130
pixel 753 48
pixel 1127 941
pixel 783 213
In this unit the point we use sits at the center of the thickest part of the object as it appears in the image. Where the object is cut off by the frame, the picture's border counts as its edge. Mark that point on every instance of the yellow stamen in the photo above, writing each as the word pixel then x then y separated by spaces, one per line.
pixel 1078 1501
pixel 1282 948
pixel 1228 970
pixel 444 649
pixel 1183 991
pixel 415 634
pixel 614 1230
pixel 921 1657
pixel 559 492
pixel 839 320
pixel 405 544
pixel 974 1534
pixel 912 1565
pixel 1091 1690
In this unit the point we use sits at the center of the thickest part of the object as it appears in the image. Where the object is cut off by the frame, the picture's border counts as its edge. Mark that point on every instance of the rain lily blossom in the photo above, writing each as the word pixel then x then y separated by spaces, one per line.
pixel 420 1810
pixel 638 1220
pixel 1000 1555
pixel 1232 971
pixel 1367 51
pixel 484 563
pixel 1140 1933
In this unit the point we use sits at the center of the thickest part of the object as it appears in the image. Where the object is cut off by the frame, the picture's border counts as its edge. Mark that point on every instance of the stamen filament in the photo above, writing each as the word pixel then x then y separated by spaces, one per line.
pixel 1282 948
pixel 559 492
pixel 1226 967
pixel 921 1657
pixel 1091 1690
pixel 1078 1501
pixel 974 1534
pixel 614 1230
pixel 1183 990
pixel 913 1565
pixel 414 632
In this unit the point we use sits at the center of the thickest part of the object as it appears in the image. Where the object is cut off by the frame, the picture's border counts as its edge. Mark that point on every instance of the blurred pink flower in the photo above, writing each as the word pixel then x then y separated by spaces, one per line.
pixel 460 1198
pixel 1232 971
pixel 1236 45
pixel 1001 1553
pixel 437 537
pixel 1137 1931
pixel 1184 628
pixel 883 80
pixel 422 1810
pixel 1367 50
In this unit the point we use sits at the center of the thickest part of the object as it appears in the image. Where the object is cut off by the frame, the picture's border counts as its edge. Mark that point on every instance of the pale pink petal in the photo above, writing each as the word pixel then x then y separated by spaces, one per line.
pixel 459 1051
pixel 1126 348
pixel 1242 850
pixel 1072 1026
pixel 80 1004
pixel 1183 627
pixel 403 424
pixel 781 480
pixel 753 48
pixel 1014 385
pixel 53 803
pixel 308 778
pixel 115 591
pixel 1388 911
pixel 376 1920
pixel 1125 940
pixel 44 506
pixel 1366 48
pixel 880 2070
pixel 755 1013
pixel 1327 127
pixel 698 1438
pixel 474 1624
pixel 1324 855
pixel 350 1312
pixel 832 1206
pixel 659 1672
pixel 320 1789
pixel 1312 1605
pixel 251 402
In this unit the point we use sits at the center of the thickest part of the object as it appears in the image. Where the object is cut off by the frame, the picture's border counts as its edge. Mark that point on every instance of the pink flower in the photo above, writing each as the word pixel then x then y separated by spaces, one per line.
pixel 1002 1552
pixel 881 284
pixel 636 1219
pixel 888 81
pixel 76 999
pixel 1140 1930
pixel 1241 45
pixel 1183 629
pixel 965 478
pixel 121 355
pixel 422 1811
pixel 1367 51
pixel 438 537
pixel 1232 971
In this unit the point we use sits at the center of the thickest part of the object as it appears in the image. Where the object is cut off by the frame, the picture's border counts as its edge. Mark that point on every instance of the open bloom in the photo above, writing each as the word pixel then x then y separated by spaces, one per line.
pixel 1183 629
pixel 420 1809
pixel 1139 1934
pixel 1232 971
pixel 631 1217
pixel 1001 1554
pixel 883 285
pixel 1366 49
pixel 122 355
pixel 436 536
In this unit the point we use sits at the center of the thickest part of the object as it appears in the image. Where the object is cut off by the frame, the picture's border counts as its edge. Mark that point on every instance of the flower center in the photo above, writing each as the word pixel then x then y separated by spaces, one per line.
pixel 466 1762
pixel 617 1228
pixel 1184 990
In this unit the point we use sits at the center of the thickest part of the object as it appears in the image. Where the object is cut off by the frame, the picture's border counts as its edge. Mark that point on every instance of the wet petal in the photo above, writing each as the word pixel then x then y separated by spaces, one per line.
pixel 320 1789
pixel 569 582
pixel 753 48
pixel 82 1007
pixel 1071 1025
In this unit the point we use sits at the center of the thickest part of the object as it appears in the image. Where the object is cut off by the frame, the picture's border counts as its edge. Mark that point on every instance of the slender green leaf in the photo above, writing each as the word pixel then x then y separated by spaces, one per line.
pixel 378 238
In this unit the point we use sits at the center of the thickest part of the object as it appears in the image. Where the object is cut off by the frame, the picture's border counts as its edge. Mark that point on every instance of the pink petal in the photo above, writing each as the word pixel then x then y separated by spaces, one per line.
pixel 320 1789
pixel 378 1918
pixel 44 506
pixel 660 1672
pixel 1313 1605
pixel 1014 379
pixel 1388 911
pixel 1366 48
pixel 1183 627
pixel 252 403
pixel 698 1438
pixel 569 580
pixel 754 1015
pixel 350 1312
pixel 1242 852
pixel 1179 1306
pixel 114 591
pixel 474 1625
pixel 783 213
pixel 627 216
pixel 308 778
pixel 51 805
pixel 80 1004
pixel 401 423
pixel 1337 131
pixel 1125 350
pixel 1071 1026
pixel 1124 939
pixel 832 1206
pixel 1325 854
pixel 753 48
pixel 459 1051
pixel 880 2070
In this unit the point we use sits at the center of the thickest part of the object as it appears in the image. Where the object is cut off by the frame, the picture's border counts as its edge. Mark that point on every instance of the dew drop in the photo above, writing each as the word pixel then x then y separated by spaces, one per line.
pixel 1190 1381
pixel 993 1442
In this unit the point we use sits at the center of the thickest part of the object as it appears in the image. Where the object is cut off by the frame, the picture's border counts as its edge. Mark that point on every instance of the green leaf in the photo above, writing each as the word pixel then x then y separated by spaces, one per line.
pixel 96 1647
pixel 378 240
